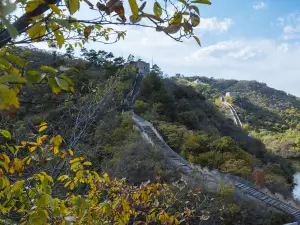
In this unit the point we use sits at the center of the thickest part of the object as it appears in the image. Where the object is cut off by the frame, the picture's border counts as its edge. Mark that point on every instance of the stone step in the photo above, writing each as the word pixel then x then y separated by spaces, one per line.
pixel 264 197
pixel 296 213
pixel 258 194
pixel 251 191
pixel 245 188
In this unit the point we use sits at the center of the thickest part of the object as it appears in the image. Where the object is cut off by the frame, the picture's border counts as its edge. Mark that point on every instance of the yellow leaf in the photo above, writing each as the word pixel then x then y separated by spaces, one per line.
pixel 36 31
pixel 42 128
pixel 33 148
pixel 17 186
pixel 157 9
pixel 106 177
pixel 49 178
pixel 11 170
pixel 63 155
pixel 57 140
pixel 87 163
pixel 8 99
pixel 54 86
pixel 198 41
pixel 23 143
pixel 32 5
pixel 18 165
pixel 73 6
pixel 87 31
pixel 74 160
pixel 59 38
pixel 126 206
pixel 55 150
pixel 54 8
pixel 43 138
pixel 70 152
pixel 43 124
pixel 134 9
pixel 163 217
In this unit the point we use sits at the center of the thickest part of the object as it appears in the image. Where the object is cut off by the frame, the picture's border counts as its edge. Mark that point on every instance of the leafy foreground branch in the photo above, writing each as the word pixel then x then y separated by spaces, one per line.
pixel 80 196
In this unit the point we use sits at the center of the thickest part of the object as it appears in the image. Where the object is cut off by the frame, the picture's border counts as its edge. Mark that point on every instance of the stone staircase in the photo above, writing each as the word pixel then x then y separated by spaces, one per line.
pixel 268 200
pixel 155 139
pixel 237 120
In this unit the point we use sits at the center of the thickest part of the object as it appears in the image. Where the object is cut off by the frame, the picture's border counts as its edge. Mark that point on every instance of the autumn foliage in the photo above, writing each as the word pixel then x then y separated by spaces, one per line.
pixel 31 192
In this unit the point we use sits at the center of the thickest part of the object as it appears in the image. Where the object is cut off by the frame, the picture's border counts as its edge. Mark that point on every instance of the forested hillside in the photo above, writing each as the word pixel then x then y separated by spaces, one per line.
pixel 271 115
pixel 194 126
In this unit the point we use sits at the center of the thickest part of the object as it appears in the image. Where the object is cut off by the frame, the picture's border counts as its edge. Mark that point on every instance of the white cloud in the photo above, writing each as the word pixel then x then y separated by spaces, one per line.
pixel 273 62
pixel 228 50
pixel 291 26
pixel 213 24
pixel 259 5
pixel 265 60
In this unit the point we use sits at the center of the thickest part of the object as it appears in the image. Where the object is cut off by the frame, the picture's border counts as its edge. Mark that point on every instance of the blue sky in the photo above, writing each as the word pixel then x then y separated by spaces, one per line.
pixel 241 39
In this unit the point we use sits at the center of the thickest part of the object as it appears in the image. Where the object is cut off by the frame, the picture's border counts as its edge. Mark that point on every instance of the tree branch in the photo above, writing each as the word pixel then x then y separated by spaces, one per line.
pixel 24 21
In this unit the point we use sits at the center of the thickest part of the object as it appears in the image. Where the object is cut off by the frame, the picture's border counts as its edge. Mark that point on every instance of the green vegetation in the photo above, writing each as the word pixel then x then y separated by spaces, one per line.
pixel 195 128
pixel 268 114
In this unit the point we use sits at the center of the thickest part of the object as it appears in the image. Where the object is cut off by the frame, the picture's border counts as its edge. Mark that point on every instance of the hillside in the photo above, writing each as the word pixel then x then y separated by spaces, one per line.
pixel 196 127
pixel 92 122
pixel 271 115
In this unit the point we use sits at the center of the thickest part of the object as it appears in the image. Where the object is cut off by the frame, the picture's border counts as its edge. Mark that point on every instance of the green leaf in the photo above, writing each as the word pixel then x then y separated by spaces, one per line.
pixel 59 38
pixel 132 20
pixel 54 86
pixel 36 31
pixel 67 79
pixel 4 166
pixel 11 149
pixel 134 9
pixel 194 8
pixel 202 2
pixel 8 8
pixel 16 60
pixel 73 6
pixel 198 41
pixel 12 79
pixel 4 63
pixel 183 2
pixel 64 85
pixel 17 186
pixel 54 8
pixel 33 76
pixel 39 218
pixel 42 201
pixel 176 18
pixel 11 29
pixel 195 19
pixel 6 134
pixel 157 9
pixel 48 69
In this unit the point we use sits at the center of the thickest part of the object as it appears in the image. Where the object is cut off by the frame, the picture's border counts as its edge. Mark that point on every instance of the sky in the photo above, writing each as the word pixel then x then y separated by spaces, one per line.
pixel 241 39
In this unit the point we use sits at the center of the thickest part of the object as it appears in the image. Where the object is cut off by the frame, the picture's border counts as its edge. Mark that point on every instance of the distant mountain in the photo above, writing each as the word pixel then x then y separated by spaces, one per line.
pixel 269 114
